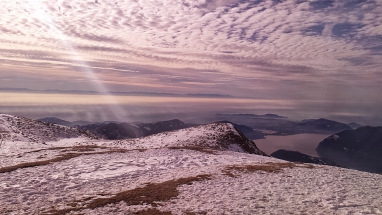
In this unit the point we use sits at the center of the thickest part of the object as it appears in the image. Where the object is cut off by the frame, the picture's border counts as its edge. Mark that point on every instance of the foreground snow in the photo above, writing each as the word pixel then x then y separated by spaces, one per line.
pixel 87 176
pixel 302 189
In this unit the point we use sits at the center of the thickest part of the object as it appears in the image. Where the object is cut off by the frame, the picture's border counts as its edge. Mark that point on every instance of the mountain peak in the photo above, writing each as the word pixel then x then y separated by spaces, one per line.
pixel 19 128
pixel 220 136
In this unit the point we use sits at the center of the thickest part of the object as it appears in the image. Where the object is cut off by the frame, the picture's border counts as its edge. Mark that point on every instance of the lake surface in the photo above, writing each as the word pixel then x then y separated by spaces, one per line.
pixel 304 143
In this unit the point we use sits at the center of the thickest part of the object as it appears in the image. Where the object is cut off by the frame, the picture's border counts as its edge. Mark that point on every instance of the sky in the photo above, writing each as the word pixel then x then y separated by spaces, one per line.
pixel 316 58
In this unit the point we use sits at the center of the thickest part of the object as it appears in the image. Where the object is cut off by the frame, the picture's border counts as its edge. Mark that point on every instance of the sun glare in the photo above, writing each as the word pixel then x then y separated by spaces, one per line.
pixel 38 10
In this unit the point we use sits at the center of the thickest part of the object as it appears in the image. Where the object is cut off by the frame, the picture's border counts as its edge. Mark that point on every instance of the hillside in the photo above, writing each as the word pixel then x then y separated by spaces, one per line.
pixel 16 128
pixel 207 169
pixel 357 149
pixel 322 126
pixel 219 136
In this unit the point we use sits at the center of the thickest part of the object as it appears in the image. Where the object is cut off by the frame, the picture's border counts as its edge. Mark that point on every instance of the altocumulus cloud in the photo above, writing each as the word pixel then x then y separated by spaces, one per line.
pixel 176 45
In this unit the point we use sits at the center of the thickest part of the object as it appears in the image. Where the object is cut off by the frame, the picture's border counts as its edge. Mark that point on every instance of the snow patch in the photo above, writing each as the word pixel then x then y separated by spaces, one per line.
pixel 235 148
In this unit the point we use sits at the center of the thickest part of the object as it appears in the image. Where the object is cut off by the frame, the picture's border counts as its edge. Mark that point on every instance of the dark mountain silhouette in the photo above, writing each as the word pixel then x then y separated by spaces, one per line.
pixel 279 125
pixel 359 149
pixel 322 125
pixel 248 132
pixel 59 121
pixel 268 115
pixel 294 156
pixel 55 120
pixel 354 125
pixel 115 131
pixel 162 126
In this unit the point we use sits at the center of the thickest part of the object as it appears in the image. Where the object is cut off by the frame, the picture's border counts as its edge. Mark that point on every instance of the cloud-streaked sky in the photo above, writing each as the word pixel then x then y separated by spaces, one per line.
pixel 325 51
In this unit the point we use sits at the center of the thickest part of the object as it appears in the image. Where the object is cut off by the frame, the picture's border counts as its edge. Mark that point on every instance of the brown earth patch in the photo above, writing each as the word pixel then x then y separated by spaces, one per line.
pixel 80 148
pixel 267 167
pixel 47 149
pixel 193 213
pixel 153 211
pixel 196 148
pixel 149 194
pixel 63 157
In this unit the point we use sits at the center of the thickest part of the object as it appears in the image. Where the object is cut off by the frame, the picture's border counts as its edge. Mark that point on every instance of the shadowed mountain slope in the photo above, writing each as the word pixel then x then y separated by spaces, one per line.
pixel 294 156
pixel 359 149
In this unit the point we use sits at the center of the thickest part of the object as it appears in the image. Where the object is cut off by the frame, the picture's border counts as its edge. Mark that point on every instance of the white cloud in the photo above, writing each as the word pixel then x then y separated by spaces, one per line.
pixel 240 39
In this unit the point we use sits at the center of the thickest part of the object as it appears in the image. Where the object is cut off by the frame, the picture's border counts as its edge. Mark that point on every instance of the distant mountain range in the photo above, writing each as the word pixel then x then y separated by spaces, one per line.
pixel 278 125
pixel 265 116
pixel 359 149
pixel 59 121
pixel 115 131
pixel 354 125
pixel 320 126
pixel 251 125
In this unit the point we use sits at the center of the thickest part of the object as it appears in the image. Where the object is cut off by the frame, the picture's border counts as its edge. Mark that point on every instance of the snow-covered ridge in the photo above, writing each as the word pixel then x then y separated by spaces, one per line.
pixel 220 136
pixel 16 128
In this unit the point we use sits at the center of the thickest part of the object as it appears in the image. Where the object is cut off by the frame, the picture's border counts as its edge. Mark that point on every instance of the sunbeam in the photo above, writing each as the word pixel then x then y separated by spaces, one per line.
pixel 38 11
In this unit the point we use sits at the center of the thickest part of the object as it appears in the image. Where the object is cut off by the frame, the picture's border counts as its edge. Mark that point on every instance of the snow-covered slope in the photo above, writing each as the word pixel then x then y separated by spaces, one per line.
pixel 220 136
pixel 185 172
pixel 183 181
pixel 16 128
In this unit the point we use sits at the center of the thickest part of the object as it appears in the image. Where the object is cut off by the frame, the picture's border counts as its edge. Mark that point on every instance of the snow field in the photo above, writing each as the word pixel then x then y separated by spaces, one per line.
pixel 318 190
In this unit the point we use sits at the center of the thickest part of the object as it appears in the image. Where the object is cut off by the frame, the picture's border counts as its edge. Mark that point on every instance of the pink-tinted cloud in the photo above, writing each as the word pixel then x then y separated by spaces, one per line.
pixel 194 45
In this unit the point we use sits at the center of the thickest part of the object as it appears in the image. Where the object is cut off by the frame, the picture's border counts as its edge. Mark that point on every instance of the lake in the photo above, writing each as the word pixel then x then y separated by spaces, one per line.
pixel 304 143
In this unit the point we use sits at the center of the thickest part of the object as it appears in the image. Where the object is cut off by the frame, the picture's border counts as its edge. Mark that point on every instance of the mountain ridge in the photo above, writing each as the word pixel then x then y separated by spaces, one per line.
pixel 115 131
pixel 17 128
pixel 359 149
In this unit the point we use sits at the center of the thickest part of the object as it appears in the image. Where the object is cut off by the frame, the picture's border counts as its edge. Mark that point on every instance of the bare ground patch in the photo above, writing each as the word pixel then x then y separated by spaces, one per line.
pixel 153 211
pixel 193 213
pixel 196 148
pixel 150 194
pixel 70 148
pixel 268 167
pixel 63 157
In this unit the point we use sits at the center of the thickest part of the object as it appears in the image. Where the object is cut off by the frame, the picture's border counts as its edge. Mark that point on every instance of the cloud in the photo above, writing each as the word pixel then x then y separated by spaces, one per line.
pixel 205 43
